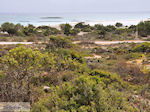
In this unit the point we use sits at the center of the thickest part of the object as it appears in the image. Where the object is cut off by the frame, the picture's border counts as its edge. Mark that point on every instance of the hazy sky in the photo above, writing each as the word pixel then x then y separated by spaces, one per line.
pixel 35 6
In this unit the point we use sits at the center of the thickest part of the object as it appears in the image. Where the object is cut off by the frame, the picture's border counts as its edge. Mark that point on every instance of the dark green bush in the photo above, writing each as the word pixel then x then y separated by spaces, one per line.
pixel 144 47
pixel 118 24
pixel 144 28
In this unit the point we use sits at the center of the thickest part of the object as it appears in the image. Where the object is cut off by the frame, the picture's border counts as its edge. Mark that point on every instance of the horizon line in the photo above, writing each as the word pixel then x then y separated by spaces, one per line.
pixel 76 12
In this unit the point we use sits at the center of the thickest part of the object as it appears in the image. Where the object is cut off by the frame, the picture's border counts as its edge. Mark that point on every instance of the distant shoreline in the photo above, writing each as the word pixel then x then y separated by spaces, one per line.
pixel 51 18
pixel 55 19
pixel 105 23
pixel 92 23
pixel 56 24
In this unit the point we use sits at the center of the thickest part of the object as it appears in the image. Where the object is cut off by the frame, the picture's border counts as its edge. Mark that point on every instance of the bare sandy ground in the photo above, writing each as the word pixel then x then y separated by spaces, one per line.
pixel 15 43
pixel 93 57
pixel 112 42
pixel 118 42
pixel 77 42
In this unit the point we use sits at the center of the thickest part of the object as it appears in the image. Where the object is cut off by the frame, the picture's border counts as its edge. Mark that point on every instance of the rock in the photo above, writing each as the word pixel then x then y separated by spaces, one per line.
pixel 46 89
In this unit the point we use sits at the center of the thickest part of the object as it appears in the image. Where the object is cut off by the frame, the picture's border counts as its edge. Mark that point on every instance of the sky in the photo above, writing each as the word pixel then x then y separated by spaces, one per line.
pixel 52 6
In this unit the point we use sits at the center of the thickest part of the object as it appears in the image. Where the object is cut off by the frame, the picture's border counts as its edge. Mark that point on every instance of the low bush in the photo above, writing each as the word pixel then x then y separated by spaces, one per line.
pixel 144 47
pixel 84 94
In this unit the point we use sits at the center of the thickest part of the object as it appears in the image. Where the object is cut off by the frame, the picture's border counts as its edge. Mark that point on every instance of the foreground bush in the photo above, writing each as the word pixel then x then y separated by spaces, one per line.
pixel 85 94
pixel 20 65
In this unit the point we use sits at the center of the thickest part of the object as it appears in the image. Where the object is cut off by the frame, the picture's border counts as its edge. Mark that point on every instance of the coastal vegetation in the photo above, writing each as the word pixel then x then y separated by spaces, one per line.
pixel 57 74
pixel 81 30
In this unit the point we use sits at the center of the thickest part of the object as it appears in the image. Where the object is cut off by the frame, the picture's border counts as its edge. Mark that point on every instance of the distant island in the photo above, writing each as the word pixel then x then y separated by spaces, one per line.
pixel 51 18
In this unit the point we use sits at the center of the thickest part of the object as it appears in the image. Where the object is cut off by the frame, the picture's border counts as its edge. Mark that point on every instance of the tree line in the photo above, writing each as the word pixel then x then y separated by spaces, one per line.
pixel 143 29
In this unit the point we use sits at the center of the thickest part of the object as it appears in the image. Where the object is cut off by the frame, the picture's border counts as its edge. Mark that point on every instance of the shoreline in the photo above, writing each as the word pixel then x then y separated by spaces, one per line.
pixel 105 23
pixel 90 22
pixel 113 22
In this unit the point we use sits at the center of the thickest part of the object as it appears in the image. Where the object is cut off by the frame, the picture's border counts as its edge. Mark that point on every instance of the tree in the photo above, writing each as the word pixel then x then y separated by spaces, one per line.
pixel 99 27
pixel 9 28
pixel 84 27
pixel 47 30
pixel 133 27
pixel 80 25
pixel 66 28
pixel 118 24
pixel 30 30
pixel 110 28
pixel 144 28
pixel 43 27
pixel 19 29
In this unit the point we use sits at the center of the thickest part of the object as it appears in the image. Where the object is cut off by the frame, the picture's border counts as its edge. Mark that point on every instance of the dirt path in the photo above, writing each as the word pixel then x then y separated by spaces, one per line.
pixel 112 42
pixel 77 42
pixel 15 43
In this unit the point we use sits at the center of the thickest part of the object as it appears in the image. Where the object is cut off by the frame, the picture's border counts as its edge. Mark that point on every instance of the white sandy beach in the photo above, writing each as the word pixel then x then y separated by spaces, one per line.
pixel 124 22
pixel 105 23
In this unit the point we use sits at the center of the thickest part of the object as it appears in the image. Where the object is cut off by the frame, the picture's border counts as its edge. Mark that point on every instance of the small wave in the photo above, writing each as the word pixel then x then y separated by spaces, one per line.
pixel 51 17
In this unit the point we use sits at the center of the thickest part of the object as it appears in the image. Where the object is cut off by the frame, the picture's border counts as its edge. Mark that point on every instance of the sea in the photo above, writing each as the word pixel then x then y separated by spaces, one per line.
pixel 92 18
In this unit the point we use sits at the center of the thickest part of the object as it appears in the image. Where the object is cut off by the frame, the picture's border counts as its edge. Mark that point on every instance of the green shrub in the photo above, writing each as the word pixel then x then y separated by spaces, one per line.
pixel 144 47
pixel 20 65
pixel 144 28
pixel 85 94
pixel 11 28
pixel 109 79
pixel 120 31
pixel 110 28
pixel 30 30
pixel 66 28
pixel 83 27
pixel 118 24
pixel 131 56
pixel 56 42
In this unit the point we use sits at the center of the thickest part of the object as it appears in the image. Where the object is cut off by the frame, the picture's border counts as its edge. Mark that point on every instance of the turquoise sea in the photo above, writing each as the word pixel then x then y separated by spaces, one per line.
pixel 127 18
